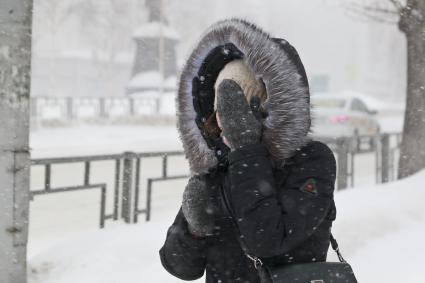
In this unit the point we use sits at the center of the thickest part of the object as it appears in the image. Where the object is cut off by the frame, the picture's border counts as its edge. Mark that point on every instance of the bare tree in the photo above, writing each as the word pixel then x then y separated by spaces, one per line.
pixel 410 17
pixel 15 62
pixel 412 24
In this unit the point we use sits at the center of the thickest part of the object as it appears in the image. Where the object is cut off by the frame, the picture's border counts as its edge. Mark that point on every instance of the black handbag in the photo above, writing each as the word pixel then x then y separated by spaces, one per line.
pixel 314 272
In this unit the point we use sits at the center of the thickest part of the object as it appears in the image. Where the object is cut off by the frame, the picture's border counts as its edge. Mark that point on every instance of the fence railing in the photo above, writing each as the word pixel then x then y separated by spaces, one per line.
pixel 384 147
pixel 126 188
pixel 127 173
pixel 71 108
pixel 47 163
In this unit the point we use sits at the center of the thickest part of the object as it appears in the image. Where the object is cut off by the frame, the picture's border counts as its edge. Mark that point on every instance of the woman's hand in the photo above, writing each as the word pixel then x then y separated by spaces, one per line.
pixel 239 125
pixel 198 207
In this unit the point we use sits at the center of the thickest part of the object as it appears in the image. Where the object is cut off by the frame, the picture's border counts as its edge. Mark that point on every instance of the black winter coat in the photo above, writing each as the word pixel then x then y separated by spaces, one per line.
pixel 282 213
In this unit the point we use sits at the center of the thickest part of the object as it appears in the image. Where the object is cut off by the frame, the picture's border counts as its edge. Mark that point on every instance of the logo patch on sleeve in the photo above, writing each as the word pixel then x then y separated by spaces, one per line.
pixel 309 187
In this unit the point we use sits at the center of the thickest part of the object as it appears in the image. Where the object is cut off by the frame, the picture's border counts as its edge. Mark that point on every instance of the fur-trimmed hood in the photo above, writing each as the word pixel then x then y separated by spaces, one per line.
pixel 275 61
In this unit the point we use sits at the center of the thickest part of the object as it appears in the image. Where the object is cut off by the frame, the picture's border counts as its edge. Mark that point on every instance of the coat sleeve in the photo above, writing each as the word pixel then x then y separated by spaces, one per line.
pixel 183 255
pixel 271 223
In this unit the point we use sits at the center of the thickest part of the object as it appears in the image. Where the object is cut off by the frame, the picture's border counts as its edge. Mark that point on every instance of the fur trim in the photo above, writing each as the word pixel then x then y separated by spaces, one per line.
pixel 288 100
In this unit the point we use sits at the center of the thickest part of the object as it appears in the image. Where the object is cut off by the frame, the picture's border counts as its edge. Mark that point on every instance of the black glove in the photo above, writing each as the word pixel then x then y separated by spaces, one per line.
pixel 198 206
pixel 240 125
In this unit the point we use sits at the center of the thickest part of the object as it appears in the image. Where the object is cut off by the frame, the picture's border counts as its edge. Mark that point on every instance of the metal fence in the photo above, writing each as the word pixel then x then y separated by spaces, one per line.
pixel 127 187
pixel 127 180
pixel 385 148
pixel 71 108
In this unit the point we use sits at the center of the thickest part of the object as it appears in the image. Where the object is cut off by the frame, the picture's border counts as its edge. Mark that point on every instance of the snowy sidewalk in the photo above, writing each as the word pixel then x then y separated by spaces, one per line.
pixel 380 230
pixel 92 140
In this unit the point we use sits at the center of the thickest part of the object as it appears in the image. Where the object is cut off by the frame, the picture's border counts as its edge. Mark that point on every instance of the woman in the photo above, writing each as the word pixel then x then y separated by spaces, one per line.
pixel 257 176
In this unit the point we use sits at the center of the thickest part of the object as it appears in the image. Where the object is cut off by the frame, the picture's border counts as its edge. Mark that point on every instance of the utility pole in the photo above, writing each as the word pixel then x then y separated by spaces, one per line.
pixel 15 66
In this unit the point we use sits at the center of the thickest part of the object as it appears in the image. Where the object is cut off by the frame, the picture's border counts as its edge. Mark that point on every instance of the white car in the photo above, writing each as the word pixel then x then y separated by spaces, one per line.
pixel 342 115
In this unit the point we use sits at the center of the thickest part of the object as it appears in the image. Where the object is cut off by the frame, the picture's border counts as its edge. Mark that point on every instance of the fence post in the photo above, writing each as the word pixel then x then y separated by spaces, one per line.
pixel 377 141
pixel 164 165
pixel 102 110
pixel 102 206
pixel 136 192
pixel 148 200
pixel 355 141
pixel 157 105
pixel 385 157
pixel 342 151
pixel 69 108
pixel 131 106
pixel 127 187
pixel 117 187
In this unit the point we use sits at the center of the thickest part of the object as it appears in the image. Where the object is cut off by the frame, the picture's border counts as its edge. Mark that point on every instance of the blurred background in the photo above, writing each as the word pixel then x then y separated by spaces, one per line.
pixel 106 152
pixel 129 48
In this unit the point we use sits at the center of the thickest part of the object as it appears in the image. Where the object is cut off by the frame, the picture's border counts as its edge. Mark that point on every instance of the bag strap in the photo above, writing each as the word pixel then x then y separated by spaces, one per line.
pixel 258 263
pixel 335 247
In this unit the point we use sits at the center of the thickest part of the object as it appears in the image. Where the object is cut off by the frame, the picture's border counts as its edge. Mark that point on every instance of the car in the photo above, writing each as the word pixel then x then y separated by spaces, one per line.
pixel 343 115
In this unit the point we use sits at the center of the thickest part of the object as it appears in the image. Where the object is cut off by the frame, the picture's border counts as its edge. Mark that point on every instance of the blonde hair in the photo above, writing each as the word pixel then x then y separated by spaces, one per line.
pixel 242 74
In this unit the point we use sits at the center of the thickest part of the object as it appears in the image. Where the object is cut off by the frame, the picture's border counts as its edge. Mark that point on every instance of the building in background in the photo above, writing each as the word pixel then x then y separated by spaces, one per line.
pixel 155 62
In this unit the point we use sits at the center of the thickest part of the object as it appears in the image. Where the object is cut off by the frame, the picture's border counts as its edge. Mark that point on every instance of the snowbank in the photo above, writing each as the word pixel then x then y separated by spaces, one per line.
pixel 380 230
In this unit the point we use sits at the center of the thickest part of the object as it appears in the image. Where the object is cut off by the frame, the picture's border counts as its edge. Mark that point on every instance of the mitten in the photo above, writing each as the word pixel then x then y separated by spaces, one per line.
pixel 240 126
pixel 198 206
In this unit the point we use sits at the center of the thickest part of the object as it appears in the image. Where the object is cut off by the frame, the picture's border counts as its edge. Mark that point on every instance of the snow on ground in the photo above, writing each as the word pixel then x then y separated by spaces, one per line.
pixel 98 139
pixel 66 215
pixel 379 228
pixel 127 253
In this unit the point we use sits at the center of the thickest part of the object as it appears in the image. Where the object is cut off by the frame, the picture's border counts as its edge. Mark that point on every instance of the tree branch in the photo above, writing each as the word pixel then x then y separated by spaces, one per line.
pixel 375 9
pixel 397 5
pixel 376 14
